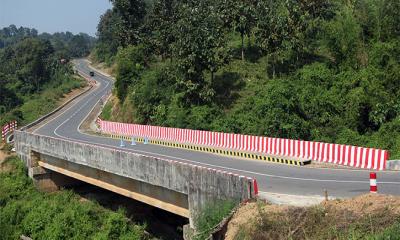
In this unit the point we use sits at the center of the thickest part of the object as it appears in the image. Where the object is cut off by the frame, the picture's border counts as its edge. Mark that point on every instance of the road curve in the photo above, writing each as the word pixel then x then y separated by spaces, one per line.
pixel 271 177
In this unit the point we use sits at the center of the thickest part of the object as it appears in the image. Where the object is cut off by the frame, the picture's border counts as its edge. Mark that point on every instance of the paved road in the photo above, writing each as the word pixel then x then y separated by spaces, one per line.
pixel 275 178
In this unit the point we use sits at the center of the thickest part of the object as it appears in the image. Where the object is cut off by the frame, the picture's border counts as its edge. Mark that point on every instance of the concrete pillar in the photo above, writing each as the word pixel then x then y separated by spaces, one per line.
pixel 42 179
pixel 188 232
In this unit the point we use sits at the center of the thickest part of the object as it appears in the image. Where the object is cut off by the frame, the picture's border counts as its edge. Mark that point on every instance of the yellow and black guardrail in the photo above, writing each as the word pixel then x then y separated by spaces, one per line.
pixel 225 152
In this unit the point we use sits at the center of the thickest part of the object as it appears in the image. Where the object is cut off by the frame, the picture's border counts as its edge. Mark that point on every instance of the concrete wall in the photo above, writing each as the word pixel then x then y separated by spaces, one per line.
pixel 393 165
pixel 201 185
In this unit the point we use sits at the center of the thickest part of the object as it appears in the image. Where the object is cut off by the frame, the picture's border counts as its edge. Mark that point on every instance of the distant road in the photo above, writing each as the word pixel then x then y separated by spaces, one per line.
pixel 271 177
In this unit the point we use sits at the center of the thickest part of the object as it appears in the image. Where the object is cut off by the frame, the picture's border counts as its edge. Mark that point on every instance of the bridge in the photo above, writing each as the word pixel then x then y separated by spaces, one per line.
pixel 56 150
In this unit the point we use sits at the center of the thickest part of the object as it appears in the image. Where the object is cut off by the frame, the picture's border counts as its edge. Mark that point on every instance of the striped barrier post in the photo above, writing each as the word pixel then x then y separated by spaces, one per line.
pixel 373 188
pixel 4 131
pixel 255 185
pixel 7 128
pixel 122 144
pixel 133 143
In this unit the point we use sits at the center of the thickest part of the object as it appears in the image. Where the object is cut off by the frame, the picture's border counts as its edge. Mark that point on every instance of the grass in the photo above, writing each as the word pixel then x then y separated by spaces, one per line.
pixel 211 216
pixel 61 215
pixel 43 102
pixel 106 112
pixel 39 104
pixel 320 222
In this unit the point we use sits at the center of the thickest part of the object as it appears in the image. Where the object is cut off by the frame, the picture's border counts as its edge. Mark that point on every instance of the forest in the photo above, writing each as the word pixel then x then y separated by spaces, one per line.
pixel 32 75
pixel 314 70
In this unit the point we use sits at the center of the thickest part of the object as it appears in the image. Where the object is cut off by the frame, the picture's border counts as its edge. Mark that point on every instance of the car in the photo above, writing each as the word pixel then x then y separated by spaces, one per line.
pixel 91 73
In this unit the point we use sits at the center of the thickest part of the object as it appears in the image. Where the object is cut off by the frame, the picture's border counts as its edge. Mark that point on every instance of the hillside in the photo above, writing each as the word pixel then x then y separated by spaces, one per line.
pixel 35 71
pixel 323 71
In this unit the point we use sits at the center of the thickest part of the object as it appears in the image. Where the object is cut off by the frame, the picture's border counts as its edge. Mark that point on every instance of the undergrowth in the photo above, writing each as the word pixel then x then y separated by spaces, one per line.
pixel 61 215
pixel 211 216
pixel 320 222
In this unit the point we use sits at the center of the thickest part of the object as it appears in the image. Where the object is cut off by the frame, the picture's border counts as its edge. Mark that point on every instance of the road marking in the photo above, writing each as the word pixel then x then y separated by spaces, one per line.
pixel 191 161
pixel 75 102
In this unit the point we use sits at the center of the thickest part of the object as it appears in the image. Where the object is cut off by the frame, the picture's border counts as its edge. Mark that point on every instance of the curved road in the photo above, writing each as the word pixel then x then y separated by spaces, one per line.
pixel 271 177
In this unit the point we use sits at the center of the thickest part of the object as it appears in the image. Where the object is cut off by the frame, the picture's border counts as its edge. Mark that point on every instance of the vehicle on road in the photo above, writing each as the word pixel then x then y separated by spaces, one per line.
pixel 91 73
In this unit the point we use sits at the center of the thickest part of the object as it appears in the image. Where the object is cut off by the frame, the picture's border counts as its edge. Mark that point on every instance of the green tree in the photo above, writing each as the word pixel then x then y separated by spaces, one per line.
pixel 200 46
pixel 160 26
pixel 239 15
pixel 132 13
pixel 131 63
pixel 109 32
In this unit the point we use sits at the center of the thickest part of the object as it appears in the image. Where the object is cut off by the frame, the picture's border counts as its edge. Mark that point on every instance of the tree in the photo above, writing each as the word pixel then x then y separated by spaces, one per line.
pixel 8 99
pixel 130 62
pixel 160 26
pixel 132 13
pixel 31 57
pixel 200 45
pixel 109 32
pixel 239 15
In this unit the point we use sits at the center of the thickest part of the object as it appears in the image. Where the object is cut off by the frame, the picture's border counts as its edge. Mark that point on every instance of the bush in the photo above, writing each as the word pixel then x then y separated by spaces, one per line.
pixel 210 216
pixel 61 215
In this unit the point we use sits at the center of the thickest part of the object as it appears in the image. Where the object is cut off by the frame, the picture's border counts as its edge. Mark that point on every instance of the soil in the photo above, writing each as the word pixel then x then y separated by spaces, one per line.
pixel 3 156
pixel 359 207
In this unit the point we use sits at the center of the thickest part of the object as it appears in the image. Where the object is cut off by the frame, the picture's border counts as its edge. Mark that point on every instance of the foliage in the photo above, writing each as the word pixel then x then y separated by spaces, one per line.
pixel 25 211
pixel 32 76
pixel 314 70
pixel 210 216
pixel 65 44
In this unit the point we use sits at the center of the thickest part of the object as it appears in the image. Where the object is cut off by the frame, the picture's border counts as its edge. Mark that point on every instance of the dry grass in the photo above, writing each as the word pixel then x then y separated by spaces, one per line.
pixel 354 218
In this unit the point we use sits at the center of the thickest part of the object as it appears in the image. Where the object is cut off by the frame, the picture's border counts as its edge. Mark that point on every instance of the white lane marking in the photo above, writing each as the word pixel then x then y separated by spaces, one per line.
pixel 217 166
pixel 75 102
pixel 79 109
pixel 206 164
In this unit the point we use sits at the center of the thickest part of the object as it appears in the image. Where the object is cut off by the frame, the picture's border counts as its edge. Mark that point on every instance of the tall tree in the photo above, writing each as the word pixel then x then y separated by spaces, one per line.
pixel 199 46
pixel 132 13
pixel 239 15
pixel 160 26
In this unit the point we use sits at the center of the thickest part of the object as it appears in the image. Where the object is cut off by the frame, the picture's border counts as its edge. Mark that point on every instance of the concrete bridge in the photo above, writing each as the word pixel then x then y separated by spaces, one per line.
pixel 56 151
pixel 180 188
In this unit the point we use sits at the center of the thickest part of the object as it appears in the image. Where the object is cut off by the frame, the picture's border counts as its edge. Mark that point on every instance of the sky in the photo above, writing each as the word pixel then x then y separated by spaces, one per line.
pixel 54 15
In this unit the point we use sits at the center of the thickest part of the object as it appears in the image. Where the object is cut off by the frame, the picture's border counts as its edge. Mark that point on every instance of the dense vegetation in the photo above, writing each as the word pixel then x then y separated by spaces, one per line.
pixel 32 75
pixel 61 215
pixel 314 70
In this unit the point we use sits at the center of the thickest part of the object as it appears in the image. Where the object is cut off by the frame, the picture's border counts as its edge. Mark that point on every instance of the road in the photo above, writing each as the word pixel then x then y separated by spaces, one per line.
pixel 277 178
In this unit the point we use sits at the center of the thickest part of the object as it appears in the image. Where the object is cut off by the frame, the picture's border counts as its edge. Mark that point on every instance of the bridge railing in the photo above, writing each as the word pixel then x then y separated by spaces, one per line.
pixel 347 155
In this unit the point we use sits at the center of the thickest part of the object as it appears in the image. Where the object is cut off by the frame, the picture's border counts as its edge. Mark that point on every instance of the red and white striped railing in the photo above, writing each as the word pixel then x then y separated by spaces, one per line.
pixel 7 128
pixel 353 156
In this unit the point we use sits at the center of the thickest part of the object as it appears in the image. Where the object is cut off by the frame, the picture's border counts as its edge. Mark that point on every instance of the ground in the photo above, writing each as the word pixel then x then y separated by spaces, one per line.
pixel 357 218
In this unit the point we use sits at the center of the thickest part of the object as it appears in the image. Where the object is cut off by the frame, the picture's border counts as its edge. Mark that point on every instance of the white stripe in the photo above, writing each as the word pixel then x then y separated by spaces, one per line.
pixel 370 158
pixel 372 182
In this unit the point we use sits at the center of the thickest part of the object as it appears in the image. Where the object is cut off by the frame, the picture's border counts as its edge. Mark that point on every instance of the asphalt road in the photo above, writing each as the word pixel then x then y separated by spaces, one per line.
pixel 271 177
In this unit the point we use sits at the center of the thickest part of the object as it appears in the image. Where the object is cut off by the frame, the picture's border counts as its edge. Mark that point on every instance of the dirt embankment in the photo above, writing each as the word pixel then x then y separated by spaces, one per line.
pixel 355 218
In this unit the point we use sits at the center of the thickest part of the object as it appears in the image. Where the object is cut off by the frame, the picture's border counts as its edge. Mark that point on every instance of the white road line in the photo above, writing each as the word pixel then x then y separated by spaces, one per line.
pixel 186 160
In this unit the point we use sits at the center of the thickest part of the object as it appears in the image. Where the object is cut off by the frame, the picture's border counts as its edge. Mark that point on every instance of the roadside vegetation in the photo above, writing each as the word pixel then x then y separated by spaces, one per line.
pixel 211 216
pixel 61 215
pixel 313 70
pixel 364 217
pixel 35 71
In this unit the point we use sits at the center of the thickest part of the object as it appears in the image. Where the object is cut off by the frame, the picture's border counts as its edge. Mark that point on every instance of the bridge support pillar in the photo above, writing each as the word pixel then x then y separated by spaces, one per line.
pixel 44 179
pixel 188 232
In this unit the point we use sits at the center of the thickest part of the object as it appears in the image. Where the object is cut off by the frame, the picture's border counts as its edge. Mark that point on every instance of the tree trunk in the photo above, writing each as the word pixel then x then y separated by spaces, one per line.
pixel 242 35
